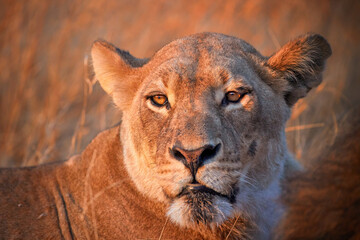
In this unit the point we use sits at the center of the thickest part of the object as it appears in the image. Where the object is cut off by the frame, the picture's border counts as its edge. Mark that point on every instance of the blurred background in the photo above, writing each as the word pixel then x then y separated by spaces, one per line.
pixel 49 110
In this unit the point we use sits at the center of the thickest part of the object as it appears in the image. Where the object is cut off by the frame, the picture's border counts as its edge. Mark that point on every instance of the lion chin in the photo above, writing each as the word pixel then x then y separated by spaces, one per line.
pixel 199 205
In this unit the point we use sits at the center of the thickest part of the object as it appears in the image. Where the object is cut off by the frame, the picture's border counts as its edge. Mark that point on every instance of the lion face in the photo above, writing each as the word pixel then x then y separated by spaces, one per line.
pixel 203 124
pixel 199 132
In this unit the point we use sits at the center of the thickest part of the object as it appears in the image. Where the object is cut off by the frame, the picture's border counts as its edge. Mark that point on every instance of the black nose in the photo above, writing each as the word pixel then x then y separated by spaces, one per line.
pixel 193 159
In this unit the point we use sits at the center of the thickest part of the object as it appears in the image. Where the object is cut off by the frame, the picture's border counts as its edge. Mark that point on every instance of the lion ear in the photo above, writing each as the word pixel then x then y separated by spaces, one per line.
pixel 299 65
pixel 116 70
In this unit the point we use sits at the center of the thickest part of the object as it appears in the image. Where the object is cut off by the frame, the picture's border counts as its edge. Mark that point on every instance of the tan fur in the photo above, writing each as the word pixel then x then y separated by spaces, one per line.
pixel 135 181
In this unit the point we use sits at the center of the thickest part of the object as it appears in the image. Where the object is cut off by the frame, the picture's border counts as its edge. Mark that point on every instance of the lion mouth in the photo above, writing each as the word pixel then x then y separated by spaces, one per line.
pixel 197 203
pixel 199 191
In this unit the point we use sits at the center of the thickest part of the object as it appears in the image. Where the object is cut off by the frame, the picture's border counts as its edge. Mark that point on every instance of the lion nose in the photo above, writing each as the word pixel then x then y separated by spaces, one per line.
pixel 193 159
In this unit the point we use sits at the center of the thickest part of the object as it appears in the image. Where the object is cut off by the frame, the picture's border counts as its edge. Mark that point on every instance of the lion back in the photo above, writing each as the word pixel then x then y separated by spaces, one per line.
pixel 324 202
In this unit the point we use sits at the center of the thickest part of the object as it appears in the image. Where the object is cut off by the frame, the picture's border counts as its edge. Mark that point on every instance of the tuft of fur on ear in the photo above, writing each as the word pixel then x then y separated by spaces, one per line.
pixel 300 62
pixel 116 71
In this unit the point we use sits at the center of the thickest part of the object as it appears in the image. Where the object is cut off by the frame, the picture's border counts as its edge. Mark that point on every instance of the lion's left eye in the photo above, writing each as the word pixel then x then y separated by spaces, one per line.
pixel 233 96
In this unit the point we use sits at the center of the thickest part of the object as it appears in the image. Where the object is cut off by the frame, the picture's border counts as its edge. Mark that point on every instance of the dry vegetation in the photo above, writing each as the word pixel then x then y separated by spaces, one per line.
pixel 49 110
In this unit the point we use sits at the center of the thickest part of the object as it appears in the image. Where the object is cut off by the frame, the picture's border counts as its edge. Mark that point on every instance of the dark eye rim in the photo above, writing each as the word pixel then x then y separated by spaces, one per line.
pixel 153 102
pixel 241 91
pixel 236 92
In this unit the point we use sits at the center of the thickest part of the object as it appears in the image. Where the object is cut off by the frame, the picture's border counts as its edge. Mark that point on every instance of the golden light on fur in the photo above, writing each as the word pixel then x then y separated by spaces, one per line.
pixel 49 112
pixel 210 156
pixel 214 164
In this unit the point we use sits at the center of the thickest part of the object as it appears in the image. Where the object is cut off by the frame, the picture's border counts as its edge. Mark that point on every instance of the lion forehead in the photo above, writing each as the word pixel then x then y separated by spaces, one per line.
pixel 207 71
pixel 205 42
pixel 203 49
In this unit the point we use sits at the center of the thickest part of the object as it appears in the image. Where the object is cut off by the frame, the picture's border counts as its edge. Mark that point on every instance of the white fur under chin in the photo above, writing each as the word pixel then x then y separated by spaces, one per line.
pixel 180 212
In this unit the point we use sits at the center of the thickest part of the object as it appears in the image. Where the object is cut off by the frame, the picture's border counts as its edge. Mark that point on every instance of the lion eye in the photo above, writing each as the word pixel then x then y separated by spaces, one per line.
pixel 233 96
pixel 159 100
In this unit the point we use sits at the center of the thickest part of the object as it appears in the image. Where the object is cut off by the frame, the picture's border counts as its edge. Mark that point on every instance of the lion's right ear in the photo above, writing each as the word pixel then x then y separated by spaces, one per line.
pixel 116 70
pixel 297 67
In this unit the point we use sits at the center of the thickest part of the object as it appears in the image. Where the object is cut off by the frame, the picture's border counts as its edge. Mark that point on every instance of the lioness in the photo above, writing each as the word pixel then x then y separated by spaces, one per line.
pixel 200 152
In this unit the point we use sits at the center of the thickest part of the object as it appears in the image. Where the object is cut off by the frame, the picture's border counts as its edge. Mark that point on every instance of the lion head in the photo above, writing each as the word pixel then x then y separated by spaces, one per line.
pixel 203 120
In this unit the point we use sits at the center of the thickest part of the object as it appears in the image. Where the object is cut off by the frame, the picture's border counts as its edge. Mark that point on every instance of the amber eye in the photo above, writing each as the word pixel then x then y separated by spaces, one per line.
pixel 159 100
pixel 233 96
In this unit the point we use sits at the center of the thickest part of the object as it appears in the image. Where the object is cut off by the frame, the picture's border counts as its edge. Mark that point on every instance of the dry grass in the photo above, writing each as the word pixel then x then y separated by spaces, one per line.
pixel 49 111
